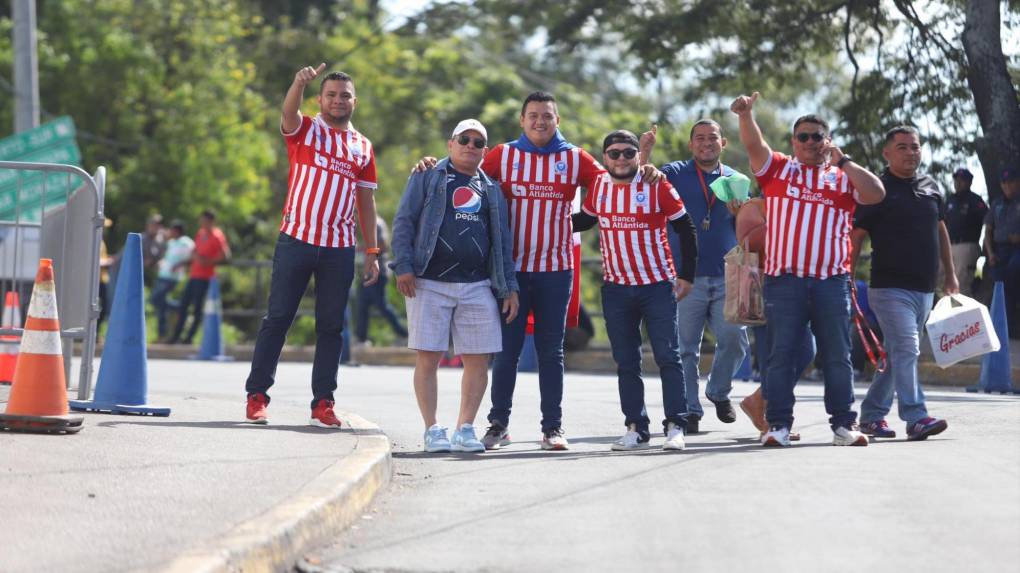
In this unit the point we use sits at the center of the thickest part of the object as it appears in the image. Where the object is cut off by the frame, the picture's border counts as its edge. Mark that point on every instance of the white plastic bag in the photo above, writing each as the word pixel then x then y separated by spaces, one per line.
pixel 959 328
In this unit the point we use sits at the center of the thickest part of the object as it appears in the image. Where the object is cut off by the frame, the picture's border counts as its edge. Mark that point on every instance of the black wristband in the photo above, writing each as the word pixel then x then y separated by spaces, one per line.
pixel 843 160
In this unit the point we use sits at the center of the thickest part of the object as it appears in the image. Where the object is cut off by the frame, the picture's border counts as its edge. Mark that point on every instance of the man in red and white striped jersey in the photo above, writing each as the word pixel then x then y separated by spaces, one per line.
pixel 641 284
pixel 539 173
pixel 809 203
pixel 332 172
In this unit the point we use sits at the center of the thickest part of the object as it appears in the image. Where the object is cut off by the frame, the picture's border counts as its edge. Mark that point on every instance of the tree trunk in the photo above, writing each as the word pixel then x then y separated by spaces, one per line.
pixel 995 96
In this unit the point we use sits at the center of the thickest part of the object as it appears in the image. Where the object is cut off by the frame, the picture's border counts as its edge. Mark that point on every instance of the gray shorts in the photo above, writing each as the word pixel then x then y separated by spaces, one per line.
pixel 466 310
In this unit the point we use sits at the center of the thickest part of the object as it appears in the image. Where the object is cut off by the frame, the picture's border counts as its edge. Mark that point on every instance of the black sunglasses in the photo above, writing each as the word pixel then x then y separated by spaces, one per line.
pixel 627 153
pixel 464 140
pixel 803 137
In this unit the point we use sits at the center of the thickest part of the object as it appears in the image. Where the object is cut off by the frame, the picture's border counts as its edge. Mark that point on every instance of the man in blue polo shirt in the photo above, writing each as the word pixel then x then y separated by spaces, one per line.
pixel 714 222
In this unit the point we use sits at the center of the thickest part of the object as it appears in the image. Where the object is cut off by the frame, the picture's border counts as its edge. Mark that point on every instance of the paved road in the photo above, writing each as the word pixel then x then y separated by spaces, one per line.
pixel 949 504
pixel 130 493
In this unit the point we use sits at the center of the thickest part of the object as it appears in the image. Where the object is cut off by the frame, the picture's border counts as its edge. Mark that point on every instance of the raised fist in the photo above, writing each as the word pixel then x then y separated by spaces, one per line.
pixel 307 74
pixel 743 104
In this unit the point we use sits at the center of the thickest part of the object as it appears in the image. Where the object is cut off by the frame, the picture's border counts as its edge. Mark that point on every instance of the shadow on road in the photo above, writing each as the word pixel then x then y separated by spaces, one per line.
pixel 232 425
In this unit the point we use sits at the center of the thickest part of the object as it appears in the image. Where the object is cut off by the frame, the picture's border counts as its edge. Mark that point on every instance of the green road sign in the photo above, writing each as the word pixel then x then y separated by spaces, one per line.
pixel 19 145
pixel 25 193
pixel 65 152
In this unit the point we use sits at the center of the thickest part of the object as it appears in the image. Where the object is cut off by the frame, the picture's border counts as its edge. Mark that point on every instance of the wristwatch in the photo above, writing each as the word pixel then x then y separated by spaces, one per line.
pixel 843 160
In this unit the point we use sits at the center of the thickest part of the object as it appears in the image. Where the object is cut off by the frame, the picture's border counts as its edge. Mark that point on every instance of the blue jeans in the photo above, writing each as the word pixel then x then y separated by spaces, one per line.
pixel 704 305
pixel 193 298
pixel 805 356
pixel 548 295
pixel 375 295
pixel 160 290
pixel 625 307
pixel 901 315
pixel 294 264
pixel 791 302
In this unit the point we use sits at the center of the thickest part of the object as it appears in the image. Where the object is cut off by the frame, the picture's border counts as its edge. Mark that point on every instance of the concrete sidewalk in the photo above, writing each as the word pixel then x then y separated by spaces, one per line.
pixel 197 491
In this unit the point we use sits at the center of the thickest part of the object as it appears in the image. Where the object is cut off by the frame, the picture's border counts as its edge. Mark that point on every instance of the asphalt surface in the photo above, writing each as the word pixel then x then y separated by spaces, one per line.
pixel 130 493
pixel 951 503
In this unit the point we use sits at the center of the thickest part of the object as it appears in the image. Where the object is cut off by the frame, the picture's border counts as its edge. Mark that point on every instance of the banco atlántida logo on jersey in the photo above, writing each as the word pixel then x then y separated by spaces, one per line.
pixel 467 203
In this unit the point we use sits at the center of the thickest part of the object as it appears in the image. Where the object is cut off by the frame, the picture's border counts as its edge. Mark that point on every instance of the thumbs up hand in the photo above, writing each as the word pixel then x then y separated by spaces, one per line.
pixel 743 104
pixel 307 74
pixel 647 143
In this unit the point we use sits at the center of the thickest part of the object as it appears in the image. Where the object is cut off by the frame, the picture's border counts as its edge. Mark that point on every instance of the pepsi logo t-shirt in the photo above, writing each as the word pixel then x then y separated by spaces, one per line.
pixel 462 249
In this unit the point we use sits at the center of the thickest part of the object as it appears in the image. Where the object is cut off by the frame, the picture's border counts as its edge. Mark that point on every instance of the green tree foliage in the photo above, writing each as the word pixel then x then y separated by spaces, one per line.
pixel 870 64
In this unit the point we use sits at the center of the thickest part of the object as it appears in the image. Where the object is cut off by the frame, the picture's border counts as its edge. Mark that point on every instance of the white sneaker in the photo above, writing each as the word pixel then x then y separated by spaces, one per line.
pixel 674 438
pixel 554 440
pixel 465 440
pixel 632 440
pixel 777 436
pixel 848 437
pixel 436 440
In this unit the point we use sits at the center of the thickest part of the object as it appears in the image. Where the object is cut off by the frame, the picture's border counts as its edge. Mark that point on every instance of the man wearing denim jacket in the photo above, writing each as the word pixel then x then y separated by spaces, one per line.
pixel 453 256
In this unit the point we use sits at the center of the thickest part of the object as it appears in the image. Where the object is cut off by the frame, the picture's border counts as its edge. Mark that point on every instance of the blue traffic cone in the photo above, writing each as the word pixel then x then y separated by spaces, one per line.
pixel 528 361
pixel 996 367
pixel 122 384
pixel 212 339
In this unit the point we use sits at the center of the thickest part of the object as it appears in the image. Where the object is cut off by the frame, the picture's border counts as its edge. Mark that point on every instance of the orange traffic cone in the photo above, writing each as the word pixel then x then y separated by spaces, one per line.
pixel 38 400
pixel 9 344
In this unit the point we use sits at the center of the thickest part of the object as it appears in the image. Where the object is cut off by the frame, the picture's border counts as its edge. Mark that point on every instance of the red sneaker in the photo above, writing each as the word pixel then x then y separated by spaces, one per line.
pixel 323 416
pixel 257 409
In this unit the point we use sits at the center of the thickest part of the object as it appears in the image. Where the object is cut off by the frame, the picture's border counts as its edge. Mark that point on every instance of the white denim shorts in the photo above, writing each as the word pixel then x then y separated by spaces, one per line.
pixel 468 311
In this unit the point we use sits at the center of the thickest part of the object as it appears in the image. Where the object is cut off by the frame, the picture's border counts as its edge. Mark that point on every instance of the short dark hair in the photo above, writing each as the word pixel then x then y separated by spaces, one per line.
pixel 539 97
pixel 209 214
pixel 892 133
pixel 177 225
pixel 811 118
pixel 335 77
pixel 705 121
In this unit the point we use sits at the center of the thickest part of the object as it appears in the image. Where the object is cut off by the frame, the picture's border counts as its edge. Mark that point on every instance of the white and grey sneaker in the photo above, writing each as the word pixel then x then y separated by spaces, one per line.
pixel 777 436
pixel 496 437
pixel 674 438
pixel 632 440
pixel 464 440
pixel 436 440
pixel 848 437
pixel 554 440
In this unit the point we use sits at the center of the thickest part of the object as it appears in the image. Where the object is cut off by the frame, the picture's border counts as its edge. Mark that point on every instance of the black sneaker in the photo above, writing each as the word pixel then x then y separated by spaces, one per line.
pixel 692 424
pixel 724 411
pixel 496 437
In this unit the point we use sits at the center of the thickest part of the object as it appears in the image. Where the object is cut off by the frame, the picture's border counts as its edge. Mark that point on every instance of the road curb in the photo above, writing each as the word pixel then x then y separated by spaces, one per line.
pixel 274 540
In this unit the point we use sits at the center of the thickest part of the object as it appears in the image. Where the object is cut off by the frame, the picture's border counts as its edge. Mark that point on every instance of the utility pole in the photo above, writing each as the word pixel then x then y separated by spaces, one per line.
pixel 26 67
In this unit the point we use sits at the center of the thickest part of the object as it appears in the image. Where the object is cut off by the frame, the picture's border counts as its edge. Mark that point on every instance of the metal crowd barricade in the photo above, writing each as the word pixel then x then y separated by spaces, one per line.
pixel 55 211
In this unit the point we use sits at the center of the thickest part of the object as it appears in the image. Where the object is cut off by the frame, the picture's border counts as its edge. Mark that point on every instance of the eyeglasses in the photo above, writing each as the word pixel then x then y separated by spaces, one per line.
pixel 803 137
pixel 464 140
pixel 626 153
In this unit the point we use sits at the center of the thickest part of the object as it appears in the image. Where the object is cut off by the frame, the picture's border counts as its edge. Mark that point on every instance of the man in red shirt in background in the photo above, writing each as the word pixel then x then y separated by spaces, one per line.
pixel 211 249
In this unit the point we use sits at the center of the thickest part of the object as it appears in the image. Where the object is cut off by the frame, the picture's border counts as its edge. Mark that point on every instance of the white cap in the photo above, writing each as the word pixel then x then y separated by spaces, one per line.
pixel 470 124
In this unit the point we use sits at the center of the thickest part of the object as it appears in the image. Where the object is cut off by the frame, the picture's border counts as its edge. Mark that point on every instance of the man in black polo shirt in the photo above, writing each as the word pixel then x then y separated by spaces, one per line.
pixel 908 238
pixel 965 215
